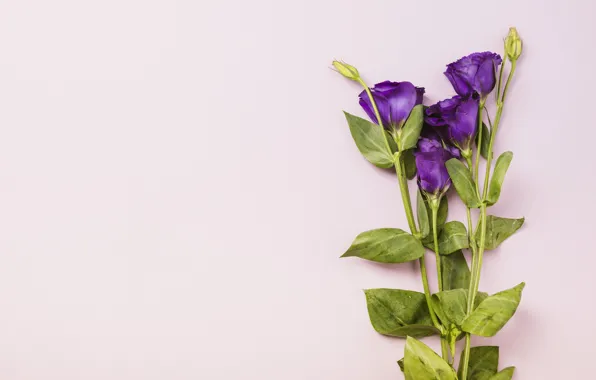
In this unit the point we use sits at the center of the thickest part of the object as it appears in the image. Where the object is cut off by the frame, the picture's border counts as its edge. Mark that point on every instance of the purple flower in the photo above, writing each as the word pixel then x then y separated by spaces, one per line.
pixel 475 73
pixel 394 100
pixel 430 140
pixel 433 177
pixel 455 120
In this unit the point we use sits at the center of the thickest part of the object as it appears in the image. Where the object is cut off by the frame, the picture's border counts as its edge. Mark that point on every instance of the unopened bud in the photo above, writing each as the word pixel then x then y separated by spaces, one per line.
pixel 513 45
pixel 346 70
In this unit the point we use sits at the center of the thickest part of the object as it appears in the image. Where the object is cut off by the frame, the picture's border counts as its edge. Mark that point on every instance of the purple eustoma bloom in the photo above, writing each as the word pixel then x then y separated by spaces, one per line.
pixel 394 100
pixel 433 178
pixel 455 120
pixel 475 73
pixel 430 140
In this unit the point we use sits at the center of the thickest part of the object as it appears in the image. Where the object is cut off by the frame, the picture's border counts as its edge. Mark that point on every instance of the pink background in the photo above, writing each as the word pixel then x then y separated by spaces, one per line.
pixel 177 182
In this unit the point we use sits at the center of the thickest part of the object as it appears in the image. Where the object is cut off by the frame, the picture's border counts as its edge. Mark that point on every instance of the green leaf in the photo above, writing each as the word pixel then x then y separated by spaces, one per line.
pixel 386 245
pixel 494 190
pixel 370 141
pixel 400 363
pixel 399 313
pixel 416 331
pixel 452 305
pixel 391 141
pixel 483 364
pixel 498 229
pixel 494 312
pixel 453 237
pixel 455 271
pixel 485 140
pixel 409 163
pixel 411 130
pixel 506 374
pixel 422 363
pixel 422 213
pixel 463 182
pixel 442 212
pixel 480 296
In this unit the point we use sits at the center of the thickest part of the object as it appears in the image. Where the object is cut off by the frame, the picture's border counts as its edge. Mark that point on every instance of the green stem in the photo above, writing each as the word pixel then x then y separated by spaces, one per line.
pixel 405 193
pixel 465 363
pixel 491 142
pixel 405 196
pixel 490 123
pixel 377 114
pixel 434 204
pixel 452 349
pixel 480 254
pixel 445 351
pixel 433 317
pixel 498 94
pixel 477 264
pixel 475 173
pixel 513 65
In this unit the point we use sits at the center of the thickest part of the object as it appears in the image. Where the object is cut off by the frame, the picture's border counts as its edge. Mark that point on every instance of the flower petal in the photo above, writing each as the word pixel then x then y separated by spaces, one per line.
pixel 401 101
pixel 460 85
pixel 485 79
pixel 382 106
pixel 462 128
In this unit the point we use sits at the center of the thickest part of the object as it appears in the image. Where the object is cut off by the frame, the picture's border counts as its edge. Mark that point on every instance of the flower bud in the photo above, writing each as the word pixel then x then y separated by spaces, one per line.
pixel 513 45
pixel 346 70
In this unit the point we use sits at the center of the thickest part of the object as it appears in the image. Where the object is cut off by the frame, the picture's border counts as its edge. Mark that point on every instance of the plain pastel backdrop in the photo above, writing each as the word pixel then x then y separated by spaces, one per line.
pixel 177 182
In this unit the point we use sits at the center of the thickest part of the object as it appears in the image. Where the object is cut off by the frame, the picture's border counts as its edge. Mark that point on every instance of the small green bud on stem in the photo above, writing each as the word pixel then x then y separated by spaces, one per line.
pixel 513 45
pixel 346 70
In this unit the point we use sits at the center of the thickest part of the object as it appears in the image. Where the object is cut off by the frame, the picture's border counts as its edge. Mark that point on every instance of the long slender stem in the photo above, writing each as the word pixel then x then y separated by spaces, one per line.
pixel 426 288
pixel 434 204
pixel 475 173
pixel 513 65
pixel 435 211
pixel 498 94
pixel 405 194
pixel 472 240
pixel 477 265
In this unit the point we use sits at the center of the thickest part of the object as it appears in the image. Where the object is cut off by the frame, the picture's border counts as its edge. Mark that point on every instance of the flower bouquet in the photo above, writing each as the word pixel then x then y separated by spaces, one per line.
pixel 441 145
